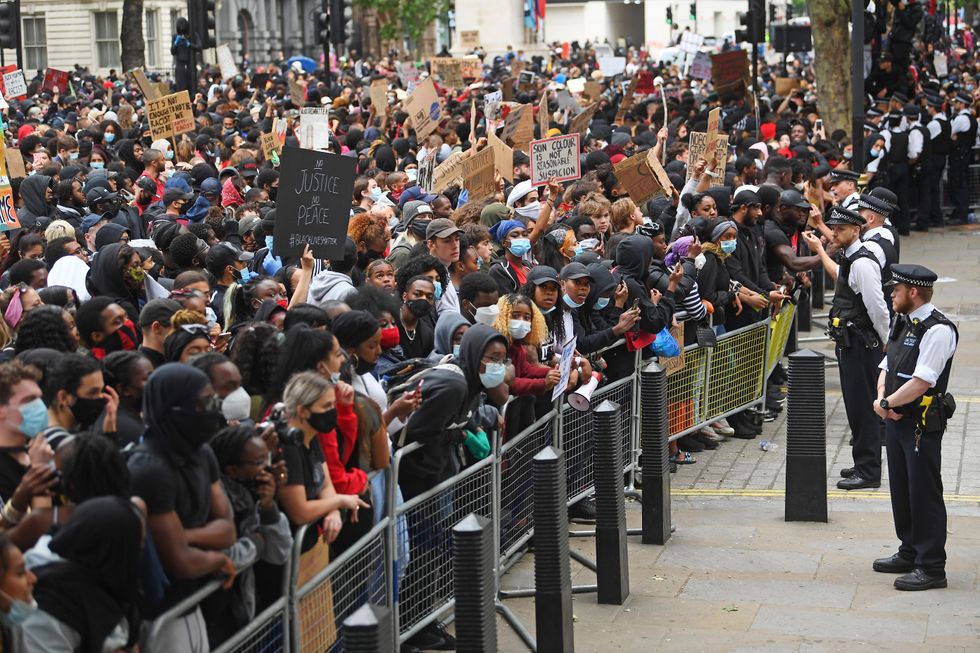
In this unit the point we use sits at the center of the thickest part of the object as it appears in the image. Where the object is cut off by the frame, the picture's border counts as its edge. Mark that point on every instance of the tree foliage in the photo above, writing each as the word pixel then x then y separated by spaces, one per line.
pixel 406 18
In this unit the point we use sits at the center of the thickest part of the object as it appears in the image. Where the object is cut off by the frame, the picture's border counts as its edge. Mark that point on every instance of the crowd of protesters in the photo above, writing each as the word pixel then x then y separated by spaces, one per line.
pixel 171 381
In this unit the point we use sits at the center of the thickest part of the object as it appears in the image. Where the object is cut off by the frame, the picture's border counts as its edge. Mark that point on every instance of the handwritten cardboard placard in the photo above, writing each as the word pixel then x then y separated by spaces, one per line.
pixel 469 39
pixel 714 121
pixel 297 93
pixel 170 115
pixel 315 191
pixel 226 62
pixel 512 122
pixel 450 73
pixel 469 67
pixel 503 157
pixel 543 116
pixel 507 88
pixel 314 128
pixel 8 214
pixel 478 174
pixel 492 105
pixel 15 163
pixel 592 90
pixel 710 147
pixel 448 173
pixel 14 84
pixel 423 108
pixel 555 158
pixel 580 123
pixel 149 91
pixel 643 177
pixel 55 80
pixel 786 84
pixel 379 95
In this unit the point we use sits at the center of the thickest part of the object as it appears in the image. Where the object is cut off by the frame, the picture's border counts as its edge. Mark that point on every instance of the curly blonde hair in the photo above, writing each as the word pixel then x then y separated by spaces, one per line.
pixel 539 328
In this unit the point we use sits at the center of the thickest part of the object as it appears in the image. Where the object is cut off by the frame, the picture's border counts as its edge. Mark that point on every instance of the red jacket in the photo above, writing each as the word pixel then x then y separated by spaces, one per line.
pixel 354 480
pixel 528 378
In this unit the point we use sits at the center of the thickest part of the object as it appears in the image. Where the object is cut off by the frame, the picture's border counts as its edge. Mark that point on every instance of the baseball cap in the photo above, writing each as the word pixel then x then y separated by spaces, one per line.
pixel 441 228
pixel 792 197
pixel 541 274
pixel 575 270
pixel 211 186
pixel 248 168
pixel 158 310
pixel 248 224
pixel 174 194
pixel 99 194
pixel 224 254
pixel 91 220
pixel 146 184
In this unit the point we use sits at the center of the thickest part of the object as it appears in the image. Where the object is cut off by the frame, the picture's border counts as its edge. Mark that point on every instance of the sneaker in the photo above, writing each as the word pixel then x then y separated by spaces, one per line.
pixel 582 512
pixel 722 428
pixel 713 434
pixel 433 637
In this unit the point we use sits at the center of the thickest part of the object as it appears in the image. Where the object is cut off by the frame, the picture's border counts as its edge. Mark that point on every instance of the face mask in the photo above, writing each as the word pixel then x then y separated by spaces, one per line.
pixel 875 154
pixel 546 312
pixel 34 417
pixel 578 249
pixel 438 285
pixel 122 339
pixel 486 315
pixel 969 88
pixel 390 337
pixel 324 422
pixel 376 194
pixel 570 302
pixel 335 377
pixel 699 261
pixel 456 351
pixel 589 243
pixel 418 227
pixel 237 406
pixel 19 612
pixel 412 173
pixel 136 275
pixel 799 186
pixel 531 211
pixel 86 411
pixel 108 137
pixel 519 329
pixel 494 375
pixel 728 246
pixel 419 307
pixel 169 155
pixel 243 275
pixel 848 155
pixel 96 165
pixel 519 246
pixel 73 156
pixel 198 426
pixel 601 303
pixel 268 242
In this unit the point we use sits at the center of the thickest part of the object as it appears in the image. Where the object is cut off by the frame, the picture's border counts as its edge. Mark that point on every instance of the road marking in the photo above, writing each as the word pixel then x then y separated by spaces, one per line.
pixel 832 494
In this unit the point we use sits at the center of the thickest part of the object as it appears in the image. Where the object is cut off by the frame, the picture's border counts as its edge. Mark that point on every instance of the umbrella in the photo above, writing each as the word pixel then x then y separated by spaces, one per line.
pixel 308 64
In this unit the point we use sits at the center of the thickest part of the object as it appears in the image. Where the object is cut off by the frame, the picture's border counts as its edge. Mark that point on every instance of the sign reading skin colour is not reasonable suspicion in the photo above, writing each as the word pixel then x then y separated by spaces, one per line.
pixel 555 158
pixel 313 205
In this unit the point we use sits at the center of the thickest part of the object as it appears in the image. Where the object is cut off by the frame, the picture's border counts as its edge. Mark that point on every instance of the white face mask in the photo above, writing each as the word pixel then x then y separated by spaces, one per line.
pixel 237 406
pixel 699 261
pixel 531 211
pixel 487 314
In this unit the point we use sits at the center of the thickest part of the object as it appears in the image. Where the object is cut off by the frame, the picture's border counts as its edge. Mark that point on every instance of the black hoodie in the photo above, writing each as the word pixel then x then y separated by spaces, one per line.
pixel 633 257
pixel 32 191
pixel 593 328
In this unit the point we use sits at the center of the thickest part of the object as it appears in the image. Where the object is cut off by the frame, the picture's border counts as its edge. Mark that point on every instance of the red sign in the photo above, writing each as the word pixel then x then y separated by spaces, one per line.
pixel 55 79
pixel 644 83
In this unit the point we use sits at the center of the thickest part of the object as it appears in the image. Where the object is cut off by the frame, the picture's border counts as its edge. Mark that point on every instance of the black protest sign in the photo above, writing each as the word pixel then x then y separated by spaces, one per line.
pixel 313 207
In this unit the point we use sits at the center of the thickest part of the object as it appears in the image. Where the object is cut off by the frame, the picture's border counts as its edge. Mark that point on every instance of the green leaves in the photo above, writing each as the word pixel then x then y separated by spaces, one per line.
pixel 406 18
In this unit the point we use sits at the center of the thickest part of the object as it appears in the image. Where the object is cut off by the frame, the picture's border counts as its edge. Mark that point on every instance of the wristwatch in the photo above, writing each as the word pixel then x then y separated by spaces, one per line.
pixel 884 404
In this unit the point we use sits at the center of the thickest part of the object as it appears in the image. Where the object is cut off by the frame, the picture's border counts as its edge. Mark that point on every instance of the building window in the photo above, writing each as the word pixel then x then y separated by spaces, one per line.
pixel 35 42
pixel 152 38
pixel 107 38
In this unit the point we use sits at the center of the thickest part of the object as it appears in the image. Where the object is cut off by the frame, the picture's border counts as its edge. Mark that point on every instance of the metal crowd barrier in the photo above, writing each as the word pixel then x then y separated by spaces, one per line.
pixel 416 581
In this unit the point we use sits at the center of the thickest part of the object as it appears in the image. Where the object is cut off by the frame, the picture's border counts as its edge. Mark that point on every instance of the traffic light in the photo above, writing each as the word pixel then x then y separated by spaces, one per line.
pixel 744 35
pixel 322 20
pixel 209 36
pixel 757 31
pixel 694 11
pixel 341 14
pixel 9 34
pixel 772 13
pixel 670 15
pixel 789 12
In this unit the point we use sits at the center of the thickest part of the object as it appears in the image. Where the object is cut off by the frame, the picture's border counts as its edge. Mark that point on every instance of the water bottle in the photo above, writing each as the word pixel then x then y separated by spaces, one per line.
pixel 768 445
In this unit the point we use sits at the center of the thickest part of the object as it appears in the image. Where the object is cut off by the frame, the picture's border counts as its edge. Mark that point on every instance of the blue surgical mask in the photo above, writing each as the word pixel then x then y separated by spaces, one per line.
pixel 170 155
pixel 412 173
pixel 73 156
pixel 438 285
pixel 335 377
pixel 578 250
pixel 34 418
pixel 570 302
pixel 494 375
pixel 519 246
pixel 549 310
pixel 108 137
pixel 601 303
pixel 848 155
pixel 268 242
pixel 96 165
pixel 728 246
pixel 376 194
pixel 456 351
pixel 19 611
pixel 519 329
pixel 875 154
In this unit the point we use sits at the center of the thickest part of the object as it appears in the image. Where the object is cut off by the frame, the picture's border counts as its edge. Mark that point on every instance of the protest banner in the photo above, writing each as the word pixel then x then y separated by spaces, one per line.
pixel 379 96
pixel 8 214
pixel 314 128
pixel 469 67
pixel 565 368
pixel 555 158
pixel 226 62
pixel 784 85
pixel 478 174
pixel 580 123
pixel 449 172
pixel 611 66
pixel 730 72
pixel 643 177
pixel 297 93
pixel 426 174
pixel 701 67
pixel 14 84
pixel 170 115
pixel 450 73
pixel 313 204
pixel 423 108
pixel 503 157
pixel 55 80
pixel 469 39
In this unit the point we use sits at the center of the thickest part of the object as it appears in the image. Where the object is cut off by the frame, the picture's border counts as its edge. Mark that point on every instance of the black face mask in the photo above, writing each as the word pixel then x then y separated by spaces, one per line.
pixel 365 258
pixel 419 307
pixel 324 422
pixel 418 228
pixel 122 339
pixel 198 427
pixel 86 411
pixel 273 192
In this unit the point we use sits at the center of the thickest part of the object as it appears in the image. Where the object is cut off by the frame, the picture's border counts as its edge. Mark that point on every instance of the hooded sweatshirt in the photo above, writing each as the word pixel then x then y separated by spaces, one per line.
pixel 445 328
pixel 633 257
pixel 329 285
pixel 32 191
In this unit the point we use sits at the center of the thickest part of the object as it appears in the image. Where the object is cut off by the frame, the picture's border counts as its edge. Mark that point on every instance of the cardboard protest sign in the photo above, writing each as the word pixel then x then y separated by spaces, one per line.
pixel 784 85
pixel 448 173
pixel 297 93
pixel 14 84
pixel 314 128
pixel 379 96
pixel 503 157
pixel 313 204
pixel 555 158
pixel 674 363
pixel 423 108
pixel 580 123
pixel 730 72
pixel 146 87
pixel 492 105
pixel 469 39
pixel 170 115
pixel 712 148
pixel 627 102
pixel 450 73
pixel 226 62
pixel 593 90
pixel 8 214
pixel 611 66
pixel 543 116
pixel 525 81
pixel 426 174
pixel 409 76
pixel 469 67
pixel 643 177
pixel 478 174
pixel 714 121
pixel 163 88
pixel 701 67
pixel 270 144
pixel 15 163
pixel 507 88
pixel 55 79
pixel 512 123
pixel 565 368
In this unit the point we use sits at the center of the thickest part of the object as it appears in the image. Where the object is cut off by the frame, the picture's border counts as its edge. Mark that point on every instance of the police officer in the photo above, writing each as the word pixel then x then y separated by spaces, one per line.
pixel 899 177
pixel 877 238
pixel 964 134
pixel 940 144
pixel 913 402
pixel 859 326
pixel 844 187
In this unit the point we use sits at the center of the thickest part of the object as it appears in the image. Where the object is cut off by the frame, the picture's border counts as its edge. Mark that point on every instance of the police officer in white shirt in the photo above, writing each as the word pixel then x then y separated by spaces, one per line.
pixel 964 135
pixel 844 188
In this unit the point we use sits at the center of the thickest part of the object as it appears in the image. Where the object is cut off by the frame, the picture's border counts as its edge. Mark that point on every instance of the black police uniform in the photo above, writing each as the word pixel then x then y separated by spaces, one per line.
pixel 913 443
pixel 859 351
pixel 959 162
pixel 940 147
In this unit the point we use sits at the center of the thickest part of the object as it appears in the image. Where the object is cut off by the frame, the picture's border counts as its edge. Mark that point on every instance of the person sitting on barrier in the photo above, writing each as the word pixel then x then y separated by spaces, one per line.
pixel 309 495
pixel 251 481
pixel 87 588
pixel 175 473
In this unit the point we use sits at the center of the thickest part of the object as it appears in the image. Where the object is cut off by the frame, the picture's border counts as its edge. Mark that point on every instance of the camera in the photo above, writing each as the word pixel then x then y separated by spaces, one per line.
pixel 277 419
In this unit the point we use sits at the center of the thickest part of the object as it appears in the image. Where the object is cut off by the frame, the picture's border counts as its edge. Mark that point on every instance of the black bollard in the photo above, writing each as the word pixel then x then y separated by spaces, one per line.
pixel 552 571
pixel 656 454
pixel 806 438
pixel 474 585
pixel 368 630
pixel 612 573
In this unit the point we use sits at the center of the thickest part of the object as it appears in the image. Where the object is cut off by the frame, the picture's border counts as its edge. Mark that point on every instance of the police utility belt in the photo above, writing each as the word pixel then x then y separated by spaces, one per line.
pixel 848 334
pixel 930 412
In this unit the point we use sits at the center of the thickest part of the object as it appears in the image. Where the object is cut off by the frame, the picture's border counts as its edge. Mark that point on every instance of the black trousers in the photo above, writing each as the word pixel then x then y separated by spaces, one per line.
pixel 858 367
pixel 929 186
pixel 959 186
pixel 917 495
pixel 899 180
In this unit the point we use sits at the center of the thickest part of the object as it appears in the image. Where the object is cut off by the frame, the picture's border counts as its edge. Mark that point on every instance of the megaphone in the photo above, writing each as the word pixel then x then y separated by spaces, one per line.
pixel 581 399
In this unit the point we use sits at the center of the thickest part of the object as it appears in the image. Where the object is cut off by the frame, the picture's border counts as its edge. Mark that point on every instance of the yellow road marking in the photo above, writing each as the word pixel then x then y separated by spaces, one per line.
pixel 832 494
